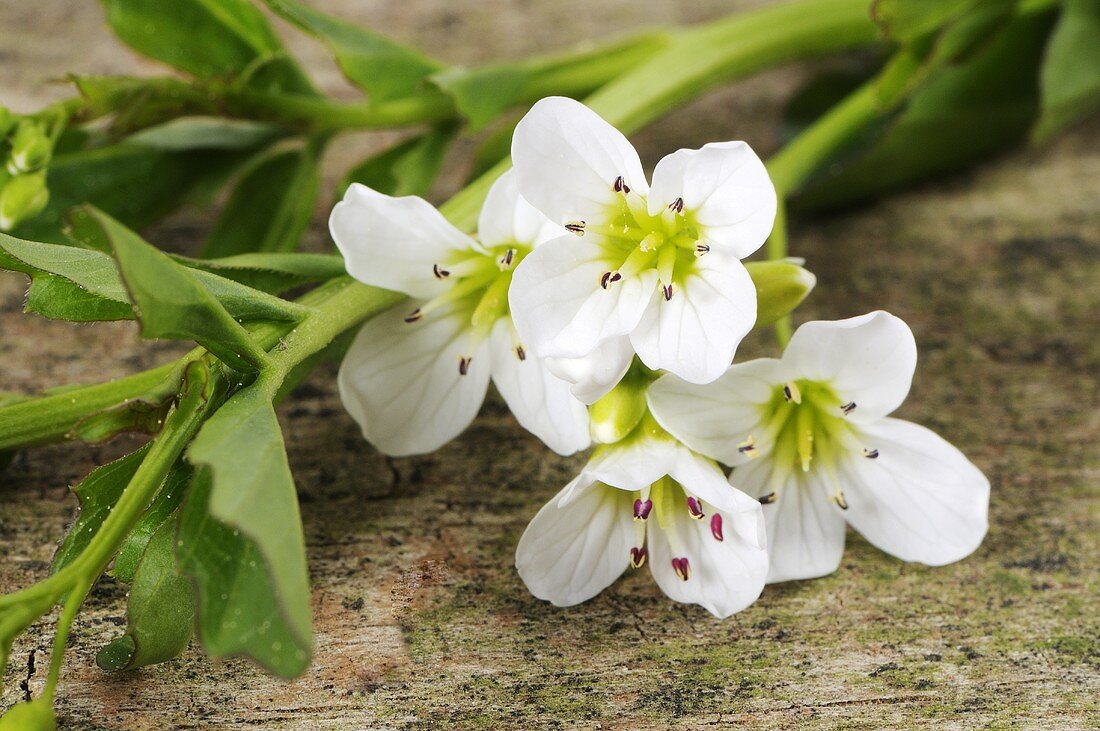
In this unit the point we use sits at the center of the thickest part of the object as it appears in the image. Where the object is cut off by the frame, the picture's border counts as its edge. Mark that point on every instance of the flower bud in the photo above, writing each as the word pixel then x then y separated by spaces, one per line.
pixel 30 148
pixel 619 411
pixel 22 197
pixel 37 715
pixel 780 287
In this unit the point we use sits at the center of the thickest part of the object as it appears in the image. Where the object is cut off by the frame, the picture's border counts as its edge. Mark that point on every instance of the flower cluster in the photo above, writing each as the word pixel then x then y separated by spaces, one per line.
pixel 606 306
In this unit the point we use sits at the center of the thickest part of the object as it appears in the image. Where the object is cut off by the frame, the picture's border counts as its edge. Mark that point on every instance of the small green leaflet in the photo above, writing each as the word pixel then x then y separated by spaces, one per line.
pixel 1070 81
pixel 270 207
pixel 160 609
pixel 273 273
pixel 206 133
pixel 408 168
pixel 160 512
pixel 384 69
pixel 202 37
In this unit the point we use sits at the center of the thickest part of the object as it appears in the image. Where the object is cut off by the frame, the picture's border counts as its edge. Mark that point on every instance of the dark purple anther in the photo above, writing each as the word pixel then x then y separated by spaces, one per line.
pixel 716 527
pixel 642 508
pixel 682 568
pixel 638 557
pixel 695 508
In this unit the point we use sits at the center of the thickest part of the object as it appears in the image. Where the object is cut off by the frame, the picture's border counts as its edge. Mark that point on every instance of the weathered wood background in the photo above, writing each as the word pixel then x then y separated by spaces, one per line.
pixel 421 619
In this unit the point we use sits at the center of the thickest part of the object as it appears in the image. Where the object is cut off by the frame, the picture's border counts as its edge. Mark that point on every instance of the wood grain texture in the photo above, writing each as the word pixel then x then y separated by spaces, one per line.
pixel 421 620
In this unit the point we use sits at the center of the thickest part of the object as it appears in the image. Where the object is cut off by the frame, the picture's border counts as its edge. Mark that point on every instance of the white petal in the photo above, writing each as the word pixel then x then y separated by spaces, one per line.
pixel 507 218
pixel 869 359
pixel 592 376
pixel 559 307
pixel 696 333
pixel 394 242
pixel 570 553
pixel 715 418
pixel 921 499
pixel 634 464
pixel 805 530
pixel 401 382
pixel 567 159
pixel 540 401
pixel 726 576
pixel 727 189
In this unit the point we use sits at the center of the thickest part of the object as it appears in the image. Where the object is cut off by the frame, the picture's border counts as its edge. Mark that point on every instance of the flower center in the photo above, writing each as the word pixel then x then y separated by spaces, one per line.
pixel 805 422
pixel 635 241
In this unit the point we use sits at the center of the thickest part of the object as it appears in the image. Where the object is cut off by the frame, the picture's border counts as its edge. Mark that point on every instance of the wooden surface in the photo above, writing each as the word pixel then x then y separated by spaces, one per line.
pixel 421 619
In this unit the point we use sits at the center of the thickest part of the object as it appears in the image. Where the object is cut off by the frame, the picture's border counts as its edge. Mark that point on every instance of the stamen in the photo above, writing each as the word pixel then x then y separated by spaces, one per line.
pixel 464 365
pixel 677 205
pixel 642 508
pixel 848 407
pixel 521 353
pixel 870 453
pixel 638 555
pixel 791 392
pixel 701 249
pixel 682 568
pixel 695 509
pixel 716 527
pixel 650 242
pixel 440 273
pixel 767 499
pixel 576 227
pixel 414 315
pixel 748 447
pixel 609 278
pixel 838 498
pixel 506 261
pixel 621 186
pixel 668 289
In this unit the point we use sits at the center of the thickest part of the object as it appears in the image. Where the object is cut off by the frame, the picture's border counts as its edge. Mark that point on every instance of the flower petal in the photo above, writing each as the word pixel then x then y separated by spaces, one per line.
pixel 727 189
pixel 394 242
pixel 696 333
pixel 402 383
pixel 540 401
pixel 725 576
pixel 593 375
pixel 869 360
pixel 633 464
pixel 506 218
pixel 567 159
pixel 559 307
pixel 570 553
pixel 716 418
pixel 921 499
pixel 805 530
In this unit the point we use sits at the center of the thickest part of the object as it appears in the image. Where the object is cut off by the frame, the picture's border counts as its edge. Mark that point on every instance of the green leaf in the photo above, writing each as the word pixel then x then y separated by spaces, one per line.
pixel 97 493
pixel 408 168
pixel 273 273
pixel 244 545
pixel 251 492
pixel 962 114
pixel 133 183
pixel 207 133
pixel 83 285
pixel 277 74
pixel 1070 78
pixel 170 301
pixel 202 37
pixel 270 206
pixel 371 61
pixel 160 511
pixel 160 610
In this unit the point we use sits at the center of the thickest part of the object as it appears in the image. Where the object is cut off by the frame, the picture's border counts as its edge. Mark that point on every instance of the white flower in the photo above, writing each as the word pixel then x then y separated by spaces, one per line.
pixel 812 439
pixel 416 376
pixel 660 266
pixel 648 499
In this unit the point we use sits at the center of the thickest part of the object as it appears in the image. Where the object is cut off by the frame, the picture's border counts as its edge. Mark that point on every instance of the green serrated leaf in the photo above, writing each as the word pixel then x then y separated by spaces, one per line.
pixel 1070 80
pixel 270 206
pixel 371 61
pixel 160 511
pixel 207 133
pixel 202 37
pixel 963 113
pixel 272 272
pixel 171 302
pixel 160 609
pixel 242 609
pixel 97 493
pixel 408 168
